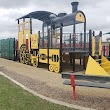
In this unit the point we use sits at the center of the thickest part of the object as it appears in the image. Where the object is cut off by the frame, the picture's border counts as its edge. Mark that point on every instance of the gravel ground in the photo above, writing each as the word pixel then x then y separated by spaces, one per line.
pixel 51 85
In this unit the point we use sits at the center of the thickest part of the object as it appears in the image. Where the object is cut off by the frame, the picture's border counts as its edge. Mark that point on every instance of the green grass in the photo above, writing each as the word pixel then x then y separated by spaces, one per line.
pixel 12 97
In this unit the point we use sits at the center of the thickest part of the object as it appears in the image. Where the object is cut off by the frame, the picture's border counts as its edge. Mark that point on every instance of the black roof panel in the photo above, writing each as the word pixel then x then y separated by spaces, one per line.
pixel 40 15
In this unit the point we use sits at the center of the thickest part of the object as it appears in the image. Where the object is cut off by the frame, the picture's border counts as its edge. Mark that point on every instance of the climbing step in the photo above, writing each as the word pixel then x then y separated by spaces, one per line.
pixel 89 84
pixel 109 73
pixel 97 60
pixel 106 67
pixel 104 63
pixel 101 67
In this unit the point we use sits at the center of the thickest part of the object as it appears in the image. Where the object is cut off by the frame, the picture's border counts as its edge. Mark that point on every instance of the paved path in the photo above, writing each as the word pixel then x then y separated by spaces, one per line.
pixel 51 85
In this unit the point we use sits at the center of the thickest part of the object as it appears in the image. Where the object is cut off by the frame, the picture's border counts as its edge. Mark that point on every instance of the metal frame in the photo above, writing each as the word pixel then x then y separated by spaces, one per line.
pixel 14 50
pixel 84 63
pixel 90 42
pixel 30 28
pixel 104 50
pixel 43 35
pixel 100 34
pixel 61 64
pixel 88 81
pixel 48 46
pixel 109 51
pixel 38 45
pixel 74 43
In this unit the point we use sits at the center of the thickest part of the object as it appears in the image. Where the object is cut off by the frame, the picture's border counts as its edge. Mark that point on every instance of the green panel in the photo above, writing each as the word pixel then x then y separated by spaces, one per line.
pixel 2 44
pixel 12 44
pixel 2 48
pixel 12 48
pixel 7 55
pixel 12 57
pixel 7 48
pixel 7 44
pixel 2 54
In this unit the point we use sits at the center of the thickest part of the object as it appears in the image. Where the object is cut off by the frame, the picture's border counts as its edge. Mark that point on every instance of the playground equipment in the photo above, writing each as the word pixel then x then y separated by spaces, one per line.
pixel 42 47
pixel 56 47
pixel 45 49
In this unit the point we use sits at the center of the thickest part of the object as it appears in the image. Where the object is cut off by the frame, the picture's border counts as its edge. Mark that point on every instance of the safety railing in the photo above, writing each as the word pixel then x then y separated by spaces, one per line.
pixel 75 42
pixel 69 42
pixel 43 40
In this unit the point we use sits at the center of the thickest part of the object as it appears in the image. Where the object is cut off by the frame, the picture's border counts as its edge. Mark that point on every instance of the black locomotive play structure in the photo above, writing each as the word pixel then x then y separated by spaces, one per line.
pixel 54 53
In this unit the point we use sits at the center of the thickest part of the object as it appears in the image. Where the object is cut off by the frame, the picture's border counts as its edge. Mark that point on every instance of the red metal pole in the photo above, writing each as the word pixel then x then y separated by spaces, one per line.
pixel 72 77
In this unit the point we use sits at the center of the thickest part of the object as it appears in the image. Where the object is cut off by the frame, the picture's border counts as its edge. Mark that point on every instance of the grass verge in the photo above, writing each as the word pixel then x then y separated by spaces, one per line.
pixel 12 97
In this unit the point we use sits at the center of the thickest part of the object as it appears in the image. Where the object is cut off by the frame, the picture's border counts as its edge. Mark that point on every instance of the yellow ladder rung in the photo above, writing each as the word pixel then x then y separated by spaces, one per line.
pixel 98 60
pixel 108 72
pixel 103 63
pixel 106 67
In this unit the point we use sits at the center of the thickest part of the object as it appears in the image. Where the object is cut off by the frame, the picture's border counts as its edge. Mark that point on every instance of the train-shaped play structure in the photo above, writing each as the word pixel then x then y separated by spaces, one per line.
pixel 55 47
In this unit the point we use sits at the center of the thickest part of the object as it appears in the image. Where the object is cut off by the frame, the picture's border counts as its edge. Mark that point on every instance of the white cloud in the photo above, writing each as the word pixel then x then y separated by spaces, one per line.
pixel 97 13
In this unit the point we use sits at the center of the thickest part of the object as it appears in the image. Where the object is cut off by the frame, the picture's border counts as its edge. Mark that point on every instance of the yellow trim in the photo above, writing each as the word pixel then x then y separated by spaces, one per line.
pixel 100 46
pixel 20 39
pixel 27 34
pixel 20 35
pixel 28 21
pixel 23 33
pixel 80 17
pixel 53 52
pixel 54 60
pixel 34 41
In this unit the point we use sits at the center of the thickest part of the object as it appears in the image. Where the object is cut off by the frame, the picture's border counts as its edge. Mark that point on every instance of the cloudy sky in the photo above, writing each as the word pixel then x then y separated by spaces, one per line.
pixel 97 13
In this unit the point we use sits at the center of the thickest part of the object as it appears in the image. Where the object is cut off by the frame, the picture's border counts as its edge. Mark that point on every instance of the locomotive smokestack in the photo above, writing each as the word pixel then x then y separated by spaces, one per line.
pixel 74 6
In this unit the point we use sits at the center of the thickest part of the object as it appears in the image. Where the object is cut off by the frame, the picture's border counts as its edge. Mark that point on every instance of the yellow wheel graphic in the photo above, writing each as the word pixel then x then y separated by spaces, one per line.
pixel 56 69
pixel 51 68
pixel 22 60
pixel 26 62
pixel 24 55
pixel 35 63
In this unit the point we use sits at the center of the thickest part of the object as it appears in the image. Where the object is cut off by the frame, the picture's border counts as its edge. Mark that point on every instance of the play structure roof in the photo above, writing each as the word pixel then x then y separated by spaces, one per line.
pixel 44 16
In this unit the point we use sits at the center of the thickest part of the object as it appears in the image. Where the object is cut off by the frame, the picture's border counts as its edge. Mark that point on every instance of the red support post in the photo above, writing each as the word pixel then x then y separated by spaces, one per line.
pixel 72 77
